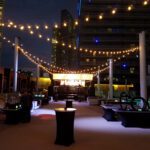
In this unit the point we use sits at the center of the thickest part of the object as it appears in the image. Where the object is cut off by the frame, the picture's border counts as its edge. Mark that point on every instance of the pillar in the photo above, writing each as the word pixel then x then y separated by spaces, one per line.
pixel 37 77
pixel 143 85
pixel 15 64
pixel 98 80
pixel 110 78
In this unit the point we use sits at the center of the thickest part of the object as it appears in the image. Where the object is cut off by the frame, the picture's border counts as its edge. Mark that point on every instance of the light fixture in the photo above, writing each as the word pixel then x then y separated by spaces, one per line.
pixel 87 19
pixel 37 27
pixel 56 26
pixel 100 16
pixel 22 28
pixel 29 27
pixel 48 39
pixel 130 7
pixel 145 2
pixel 76 23
pixel 113 11
pixel 31 32
pixel 65 24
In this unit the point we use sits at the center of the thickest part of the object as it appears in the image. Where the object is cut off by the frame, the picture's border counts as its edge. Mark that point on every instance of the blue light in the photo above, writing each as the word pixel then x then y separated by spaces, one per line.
pixel 79 7
pixel 124 65
pixel 96 40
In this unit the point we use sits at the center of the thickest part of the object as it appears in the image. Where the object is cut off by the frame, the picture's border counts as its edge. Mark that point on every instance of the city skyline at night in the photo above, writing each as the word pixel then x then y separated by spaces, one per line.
pixel 32 12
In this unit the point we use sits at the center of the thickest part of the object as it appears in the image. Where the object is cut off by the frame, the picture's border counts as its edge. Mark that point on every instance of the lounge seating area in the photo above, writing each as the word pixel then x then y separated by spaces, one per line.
pixel 133 112
pixel 134 118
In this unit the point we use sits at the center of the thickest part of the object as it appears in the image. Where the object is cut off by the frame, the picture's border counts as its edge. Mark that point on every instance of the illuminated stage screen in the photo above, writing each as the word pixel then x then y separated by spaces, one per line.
pixel 73 79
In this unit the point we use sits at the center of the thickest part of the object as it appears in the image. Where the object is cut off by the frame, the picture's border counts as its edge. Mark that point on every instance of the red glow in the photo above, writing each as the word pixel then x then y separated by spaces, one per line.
pixel 46 117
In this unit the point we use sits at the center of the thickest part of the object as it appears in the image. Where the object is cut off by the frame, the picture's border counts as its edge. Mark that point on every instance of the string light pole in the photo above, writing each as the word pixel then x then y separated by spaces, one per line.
pixel 37 76
pixel 143 85
pixel 110 78
pixel 98 80
pixel 16 64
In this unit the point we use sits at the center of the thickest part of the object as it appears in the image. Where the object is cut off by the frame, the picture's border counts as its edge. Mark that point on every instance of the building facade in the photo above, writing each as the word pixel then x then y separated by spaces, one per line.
pixel 1 70
pixel 56 53
pixel 63 56
pixel 1 17
pixel 111 25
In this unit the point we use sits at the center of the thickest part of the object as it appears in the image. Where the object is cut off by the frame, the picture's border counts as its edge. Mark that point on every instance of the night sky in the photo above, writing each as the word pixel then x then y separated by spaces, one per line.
pixel 32 12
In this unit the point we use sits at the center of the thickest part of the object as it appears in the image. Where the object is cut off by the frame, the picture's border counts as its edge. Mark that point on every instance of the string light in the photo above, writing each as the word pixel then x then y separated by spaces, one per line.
pixel 37 27
pixel 100 16
pixel 130 7
pixel 87 19
pixel 29 27
pixel 40 36
pixel 46 27
pixel 15 26
pixel 48 39
pixel 28 55
pixel 11 24
pixel 31 32
pixel 56 26
pixel 114 11
pixel 65 24
pixel 76 23
pixel 22 28
pixel 109 53
pixel 145 2
pixel 39 61
pixel 86 50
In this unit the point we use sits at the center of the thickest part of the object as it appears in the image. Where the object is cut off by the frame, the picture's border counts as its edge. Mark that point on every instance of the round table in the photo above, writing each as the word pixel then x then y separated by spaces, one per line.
pixel 65 126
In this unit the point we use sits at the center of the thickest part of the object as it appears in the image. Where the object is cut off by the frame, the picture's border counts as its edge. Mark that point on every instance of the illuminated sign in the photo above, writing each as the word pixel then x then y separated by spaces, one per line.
pixel 73 77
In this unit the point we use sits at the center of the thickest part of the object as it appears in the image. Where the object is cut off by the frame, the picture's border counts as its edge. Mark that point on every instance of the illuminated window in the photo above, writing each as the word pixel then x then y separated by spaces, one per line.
pixel 87 60
pixel 109 29
pixel 132 70
pixel 96 40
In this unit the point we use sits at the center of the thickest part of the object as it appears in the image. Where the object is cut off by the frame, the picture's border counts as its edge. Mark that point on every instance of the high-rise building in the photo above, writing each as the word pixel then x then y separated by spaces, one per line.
pixel 56 51
pixel 1 16
pixel 68 36
pixel 63 56
pixel 1 70
pixel 110 25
